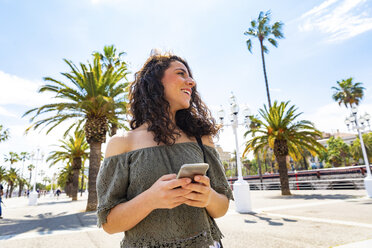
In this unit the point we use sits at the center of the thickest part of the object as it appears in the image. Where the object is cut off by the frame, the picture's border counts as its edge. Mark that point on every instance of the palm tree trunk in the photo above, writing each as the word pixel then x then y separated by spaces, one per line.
pixel 82 183
pixel 305 163
pixel 283 175
pixel 264 70
pixel 68 189
pixel 259 169
pixel 20 189
pixel 94 164
pixel 11 190
pixel 7 191
pixel 76 165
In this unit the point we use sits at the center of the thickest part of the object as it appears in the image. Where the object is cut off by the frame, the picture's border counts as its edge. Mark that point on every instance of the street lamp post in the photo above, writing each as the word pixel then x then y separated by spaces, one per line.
pixel 359 124
pixel 51 193
pixel 241 187
pixel 32 200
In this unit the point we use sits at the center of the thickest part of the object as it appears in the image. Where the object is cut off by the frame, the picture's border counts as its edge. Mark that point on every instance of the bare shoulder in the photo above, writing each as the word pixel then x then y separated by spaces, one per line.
pixel 118 144
pixel 208 141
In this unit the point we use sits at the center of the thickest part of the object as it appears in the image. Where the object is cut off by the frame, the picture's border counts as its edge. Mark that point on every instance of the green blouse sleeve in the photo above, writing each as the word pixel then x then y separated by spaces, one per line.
pixel 112 184
pixel 216 173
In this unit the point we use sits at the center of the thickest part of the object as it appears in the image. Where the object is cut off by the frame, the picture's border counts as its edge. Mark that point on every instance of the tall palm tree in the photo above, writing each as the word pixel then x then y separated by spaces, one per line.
pixel 4 134
pixel 2 173
pixel 110 59
pixel 262 30
pixel 23 156
pixel 21 183
pixel 74 150
pixel 348 92
pixel 82 175
pixel 280 130
pixel 93 97
pixel 65 178
pixel 12 157
pixel 30 167
pixel 11 178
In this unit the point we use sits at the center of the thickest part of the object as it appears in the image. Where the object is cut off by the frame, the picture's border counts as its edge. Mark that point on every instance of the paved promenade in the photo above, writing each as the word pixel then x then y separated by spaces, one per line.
pixel 326 219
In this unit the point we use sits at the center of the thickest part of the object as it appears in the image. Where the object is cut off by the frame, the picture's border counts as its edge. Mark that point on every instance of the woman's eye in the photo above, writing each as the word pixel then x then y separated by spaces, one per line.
pixel 181 73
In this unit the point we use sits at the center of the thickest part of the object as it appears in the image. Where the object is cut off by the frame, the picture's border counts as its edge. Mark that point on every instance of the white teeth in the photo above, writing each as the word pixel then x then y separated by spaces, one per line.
pixel 186 92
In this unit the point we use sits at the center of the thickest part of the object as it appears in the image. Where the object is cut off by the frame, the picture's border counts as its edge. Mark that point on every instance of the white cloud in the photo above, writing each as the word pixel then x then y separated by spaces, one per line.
pixel 7 113
pixel 331 117
pixel 340 19
pixel 19 142
pixel 19 91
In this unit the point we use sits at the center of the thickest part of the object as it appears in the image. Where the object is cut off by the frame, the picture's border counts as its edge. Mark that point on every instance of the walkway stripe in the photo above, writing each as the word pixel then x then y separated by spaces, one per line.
pixel 328 221
pixel 30 235
pixel 361 244
pixel 323 202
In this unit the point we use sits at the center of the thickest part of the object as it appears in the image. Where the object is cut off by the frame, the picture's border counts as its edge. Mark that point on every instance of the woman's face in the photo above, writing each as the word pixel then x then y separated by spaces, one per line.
pixel 177 86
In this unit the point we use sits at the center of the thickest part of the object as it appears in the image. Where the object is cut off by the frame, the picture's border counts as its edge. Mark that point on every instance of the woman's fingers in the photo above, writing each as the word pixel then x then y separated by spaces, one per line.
pixel 178 183
pixel 167 177
pixel 203 180
pixel 199 188
pixel 179 192
pixel 194 196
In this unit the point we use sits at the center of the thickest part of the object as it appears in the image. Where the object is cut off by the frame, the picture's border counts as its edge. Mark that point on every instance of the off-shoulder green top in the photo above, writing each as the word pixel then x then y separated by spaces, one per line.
pixel 124 176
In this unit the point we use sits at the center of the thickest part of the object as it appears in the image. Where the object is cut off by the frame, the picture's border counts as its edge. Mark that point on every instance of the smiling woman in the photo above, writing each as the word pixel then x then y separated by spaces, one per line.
pixel 137 187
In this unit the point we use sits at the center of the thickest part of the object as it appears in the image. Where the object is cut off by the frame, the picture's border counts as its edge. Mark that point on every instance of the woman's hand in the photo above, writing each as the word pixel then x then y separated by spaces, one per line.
pixel 168 192
pixel 201 192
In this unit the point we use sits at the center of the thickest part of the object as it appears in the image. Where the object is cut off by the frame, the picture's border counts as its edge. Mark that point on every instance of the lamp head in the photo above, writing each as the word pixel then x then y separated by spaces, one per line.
pixel 232 98
pixel 367 117
pixel 347 121
pixel 246 111
pixel 354 110
pixel 361 120
pixel 221 113
pixel 234 108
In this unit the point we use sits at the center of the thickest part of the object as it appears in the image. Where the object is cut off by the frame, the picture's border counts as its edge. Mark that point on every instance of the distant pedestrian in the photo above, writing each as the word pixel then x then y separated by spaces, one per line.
pixel 58 192
pixel 1 201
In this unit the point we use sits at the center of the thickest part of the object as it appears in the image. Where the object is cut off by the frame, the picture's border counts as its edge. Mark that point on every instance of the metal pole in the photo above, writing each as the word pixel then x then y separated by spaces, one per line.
pixel 365 157
pixel 238 162
pixel 368 178
pixel 37 159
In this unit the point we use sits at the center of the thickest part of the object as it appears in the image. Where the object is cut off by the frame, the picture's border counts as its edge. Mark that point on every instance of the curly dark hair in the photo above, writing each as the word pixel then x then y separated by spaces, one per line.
pixel 147 104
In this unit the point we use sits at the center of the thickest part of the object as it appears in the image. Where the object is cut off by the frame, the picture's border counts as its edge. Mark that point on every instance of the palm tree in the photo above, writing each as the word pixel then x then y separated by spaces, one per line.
pixel 2 173
pixel 74 150
pixel 4 134
pixel 13 157
pixel 65 178
pixel 82 175
pixel 11 178
pixel 30 167
pixel 348 92
pixel 110 59
pixel 21 183
pixel 262 30
pixel 282 132
pixel 94 98
pixel 23 156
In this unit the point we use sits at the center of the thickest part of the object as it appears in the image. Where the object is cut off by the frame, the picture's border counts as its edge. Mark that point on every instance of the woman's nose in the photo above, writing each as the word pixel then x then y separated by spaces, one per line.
pixel 191 82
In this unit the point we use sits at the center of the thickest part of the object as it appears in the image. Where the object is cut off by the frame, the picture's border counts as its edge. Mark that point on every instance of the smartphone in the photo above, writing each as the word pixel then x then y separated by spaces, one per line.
pixel 191 170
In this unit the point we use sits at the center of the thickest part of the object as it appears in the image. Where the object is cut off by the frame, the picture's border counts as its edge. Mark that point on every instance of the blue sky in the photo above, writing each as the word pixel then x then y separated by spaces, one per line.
pixel 325 41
